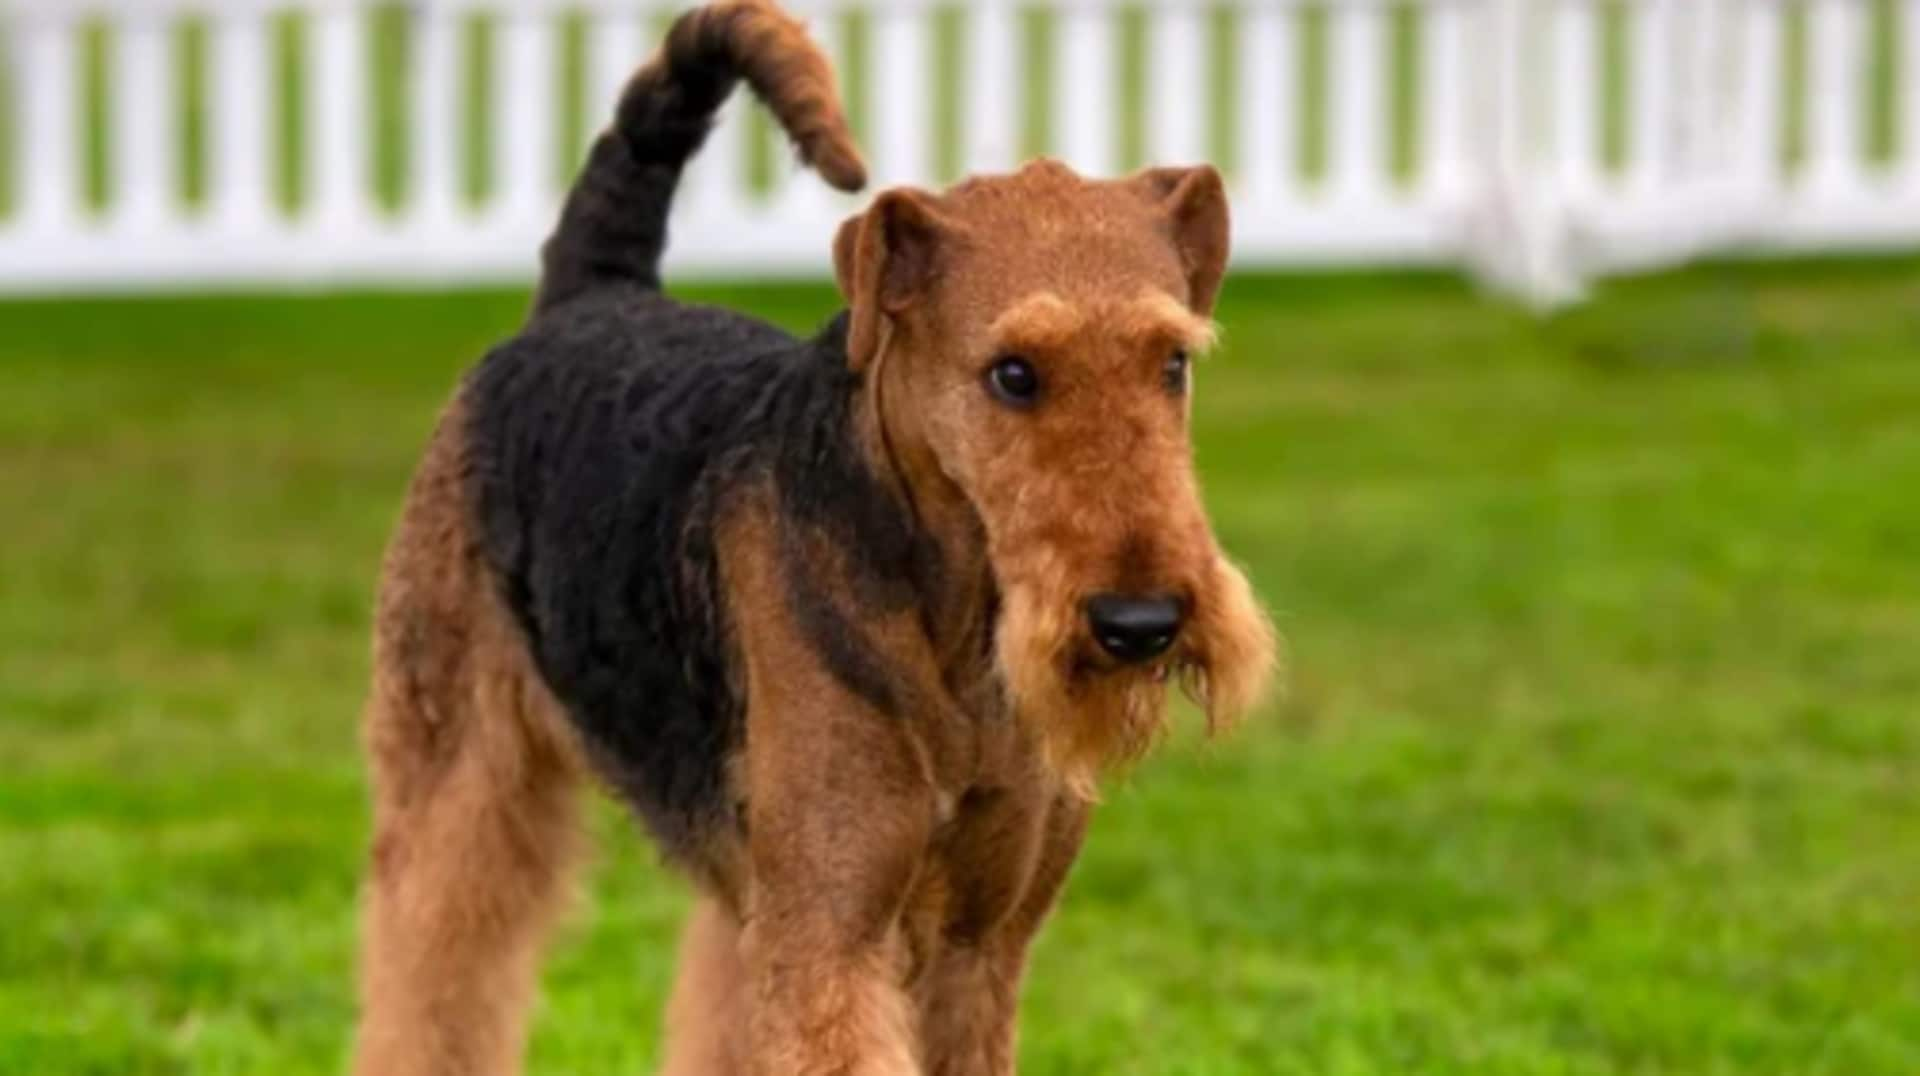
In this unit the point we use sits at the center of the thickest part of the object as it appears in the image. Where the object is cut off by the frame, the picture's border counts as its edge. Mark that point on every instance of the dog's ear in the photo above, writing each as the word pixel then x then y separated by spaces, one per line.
pixel 1194 201
pixel 884 260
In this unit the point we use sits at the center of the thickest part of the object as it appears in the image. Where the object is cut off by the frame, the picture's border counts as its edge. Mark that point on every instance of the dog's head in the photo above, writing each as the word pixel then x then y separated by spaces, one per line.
pixel 1030 340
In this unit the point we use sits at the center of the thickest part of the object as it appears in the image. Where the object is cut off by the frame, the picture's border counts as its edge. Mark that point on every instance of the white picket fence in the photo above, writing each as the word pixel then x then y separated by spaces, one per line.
pixel 1506 172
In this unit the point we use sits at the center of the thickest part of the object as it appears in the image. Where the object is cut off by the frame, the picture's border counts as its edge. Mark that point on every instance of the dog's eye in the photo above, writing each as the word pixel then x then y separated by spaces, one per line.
pixel 1013 381
pixel 1174 373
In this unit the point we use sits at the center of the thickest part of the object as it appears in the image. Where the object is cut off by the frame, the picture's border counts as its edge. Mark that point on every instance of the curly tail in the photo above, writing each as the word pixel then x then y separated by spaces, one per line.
pixel 614 225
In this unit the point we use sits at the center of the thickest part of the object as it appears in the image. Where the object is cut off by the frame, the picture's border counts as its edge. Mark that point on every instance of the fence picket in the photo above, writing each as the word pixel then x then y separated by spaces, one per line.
pixel 1358 113
pixel 1267 63
pixel 338 155
pixel 49 122
pixel 1650 93
pixel 239 183
pixel 1576 96
pixel 1085 89
pixel 616 49
pixel 1761 100
pixel 435 124
pixel 1703 141
pixel 1505 149
pixel 1440 152
pixel 1836 40
pixel 1908 106
pixel 1177 87
pixel 902 96
pixel 143 132
pixel 993 98
pixel 527 152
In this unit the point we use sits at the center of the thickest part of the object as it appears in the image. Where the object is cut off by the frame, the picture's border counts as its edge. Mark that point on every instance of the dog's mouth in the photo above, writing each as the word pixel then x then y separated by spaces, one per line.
pixel 1088 660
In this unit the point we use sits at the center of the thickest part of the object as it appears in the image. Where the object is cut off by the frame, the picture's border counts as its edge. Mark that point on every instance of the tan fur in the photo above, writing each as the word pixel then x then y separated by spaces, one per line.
pixel 785 70
pixel 1096 282
pixel 873 915
pixel 1016 852
pixel 823 972
pixel 1157 321
pixel 707 1014
pixel 475 795
pixel 1038 322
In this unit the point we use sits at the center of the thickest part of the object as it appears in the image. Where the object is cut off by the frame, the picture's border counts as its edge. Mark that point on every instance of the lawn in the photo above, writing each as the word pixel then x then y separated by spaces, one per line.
pixel 1602 753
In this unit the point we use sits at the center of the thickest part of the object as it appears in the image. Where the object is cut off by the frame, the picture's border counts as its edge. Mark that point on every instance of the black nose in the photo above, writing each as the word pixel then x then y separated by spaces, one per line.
pixel 1133 628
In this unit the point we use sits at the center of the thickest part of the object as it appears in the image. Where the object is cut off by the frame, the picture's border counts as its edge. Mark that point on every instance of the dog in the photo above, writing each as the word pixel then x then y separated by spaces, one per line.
pixel 854 624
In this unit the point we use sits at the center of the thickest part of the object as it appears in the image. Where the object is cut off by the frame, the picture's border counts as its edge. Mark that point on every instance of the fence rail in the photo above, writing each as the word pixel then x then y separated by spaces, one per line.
pixel 1539 142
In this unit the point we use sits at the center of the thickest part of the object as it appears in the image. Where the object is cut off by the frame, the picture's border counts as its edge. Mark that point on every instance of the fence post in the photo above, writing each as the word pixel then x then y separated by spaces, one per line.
pixel 1359 92
pixel 340 118
pixel 1704 100
pixel 615 50
pixel 1442 102
pixel 435 122
pixel 992 91
pixel 1762 94
pixel 1835 49
pixel 1518 234
pixel 1083 87
pixel 49 87
pixel 1714 122
pixel 1177 90
pixel 145 136
pixel 1268 107
pixel 1649 93
pixel 529 146
pixel 1576 96
pixel 239 187
pixel 902 95
pixel 1909 102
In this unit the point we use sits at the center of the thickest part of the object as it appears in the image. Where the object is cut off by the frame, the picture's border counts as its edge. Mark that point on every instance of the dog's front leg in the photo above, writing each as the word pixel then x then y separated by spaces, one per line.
pixel 840 816
pixel 837 830
pixel 971 995
pixel 840 808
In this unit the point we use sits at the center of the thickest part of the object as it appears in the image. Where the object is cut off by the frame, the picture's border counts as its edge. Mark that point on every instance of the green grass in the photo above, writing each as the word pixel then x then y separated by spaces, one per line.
pixel 1600 755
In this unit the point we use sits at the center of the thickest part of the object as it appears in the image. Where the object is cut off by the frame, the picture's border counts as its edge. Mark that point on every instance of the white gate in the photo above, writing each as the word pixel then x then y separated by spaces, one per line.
pixel 1389 132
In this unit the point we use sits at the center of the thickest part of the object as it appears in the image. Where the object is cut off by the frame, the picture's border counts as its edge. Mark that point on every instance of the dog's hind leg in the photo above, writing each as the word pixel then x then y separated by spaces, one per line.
pixel 707 1017
pixel 466 876
pixel 476 790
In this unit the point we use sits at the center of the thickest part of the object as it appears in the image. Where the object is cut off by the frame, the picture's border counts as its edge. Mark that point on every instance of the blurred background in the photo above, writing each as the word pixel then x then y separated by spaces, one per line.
pixel 1568 419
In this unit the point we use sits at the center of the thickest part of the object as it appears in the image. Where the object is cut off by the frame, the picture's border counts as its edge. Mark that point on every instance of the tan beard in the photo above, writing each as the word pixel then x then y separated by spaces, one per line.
pixel 1088 720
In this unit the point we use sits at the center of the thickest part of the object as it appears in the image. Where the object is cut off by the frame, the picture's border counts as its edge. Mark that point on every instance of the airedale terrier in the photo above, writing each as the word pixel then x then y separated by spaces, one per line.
pixel 853 623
